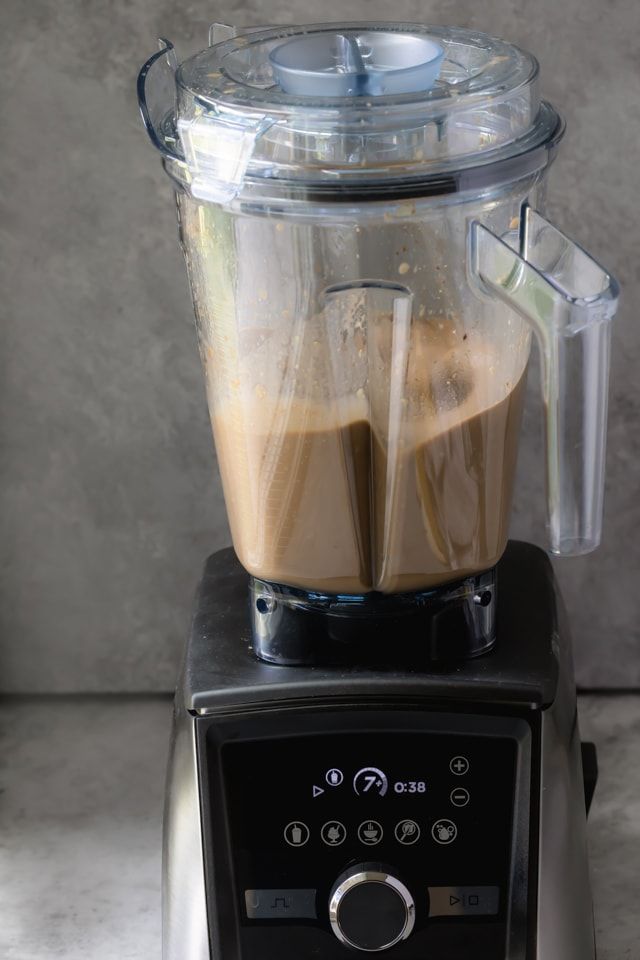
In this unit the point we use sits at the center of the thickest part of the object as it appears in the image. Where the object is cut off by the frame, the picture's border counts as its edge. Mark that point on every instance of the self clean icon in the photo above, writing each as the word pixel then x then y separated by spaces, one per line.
pixel 444 831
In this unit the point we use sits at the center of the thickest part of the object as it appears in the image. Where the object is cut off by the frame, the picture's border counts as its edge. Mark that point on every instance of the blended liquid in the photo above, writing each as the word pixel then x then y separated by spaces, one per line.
pixel 350 499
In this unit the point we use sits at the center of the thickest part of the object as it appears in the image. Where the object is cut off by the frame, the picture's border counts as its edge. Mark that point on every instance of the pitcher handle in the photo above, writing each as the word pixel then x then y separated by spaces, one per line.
pixel 569 300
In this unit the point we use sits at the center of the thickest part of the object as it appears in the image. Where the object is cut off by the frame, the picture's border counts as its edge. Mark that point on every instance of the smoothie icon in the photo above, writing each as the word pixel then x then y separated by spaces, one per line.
pixel 296 833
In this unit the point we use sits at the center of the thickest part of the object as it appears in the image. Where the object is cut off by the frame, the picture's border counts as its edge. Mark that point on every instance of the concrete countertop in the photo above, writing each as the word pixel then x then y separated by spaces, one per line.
pixel 81 789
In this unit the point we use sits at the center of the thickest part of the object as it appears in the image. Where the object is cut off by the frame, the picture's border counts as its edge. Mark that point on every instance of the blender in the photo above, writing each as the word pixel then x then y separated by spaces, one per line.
pixel 375 742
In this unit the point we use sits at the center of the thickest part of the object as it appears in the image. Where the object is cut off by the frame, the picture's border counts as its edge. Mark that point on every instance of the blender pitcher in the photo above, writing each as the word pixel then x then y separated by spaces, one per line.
pixel 361 213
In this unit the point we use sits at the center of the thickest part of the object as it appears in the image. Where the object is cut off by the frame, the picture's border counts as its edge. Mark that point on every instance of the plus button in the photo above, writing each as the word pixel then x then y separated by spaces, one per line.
pixel 459 766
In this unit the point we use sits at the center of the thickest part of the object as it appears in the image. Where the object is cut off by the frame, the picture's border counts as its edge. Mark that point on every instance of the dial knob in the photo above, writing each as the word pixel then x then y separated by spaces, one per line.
pixel 370 909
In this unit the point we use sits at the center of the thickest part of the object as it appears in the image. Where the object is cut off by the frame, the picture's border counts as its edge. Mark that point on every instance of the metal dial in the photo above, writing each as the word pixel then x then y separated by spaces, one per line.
pixel 370 909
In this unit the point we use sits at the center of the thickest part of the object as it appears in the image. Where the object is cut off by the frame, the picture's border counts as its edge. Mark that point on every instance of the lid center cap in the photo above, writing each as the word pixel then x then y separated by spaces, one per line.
pixel 356 63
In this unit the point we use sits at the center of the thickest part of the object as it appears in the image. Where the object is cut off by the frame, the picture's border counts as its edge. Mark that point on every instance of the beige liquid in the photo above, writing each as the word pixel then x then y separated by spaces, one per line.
pixel 328 499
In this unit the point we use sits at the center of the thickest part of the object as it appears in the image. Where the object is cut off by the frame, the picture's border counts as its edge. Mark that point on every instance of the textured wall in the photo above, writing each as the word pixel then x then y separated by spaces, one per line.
pixel 109 496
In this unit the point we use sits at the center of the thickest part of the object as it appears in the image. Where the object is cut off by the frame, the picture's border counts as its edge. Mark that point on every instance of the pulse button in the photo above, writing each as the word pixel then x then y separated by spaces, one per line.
pixel 278 904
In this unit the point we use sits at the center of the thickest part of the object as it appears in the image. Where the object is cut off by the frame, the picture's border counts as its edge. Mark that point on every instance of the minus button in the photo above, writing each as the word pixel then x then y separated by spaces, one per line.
pixel 460 796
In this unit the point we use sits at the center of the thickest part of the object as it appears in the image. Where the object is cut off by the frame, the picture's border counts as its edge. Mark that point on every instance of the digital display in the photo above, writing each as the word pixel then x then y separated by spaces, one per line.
pixel 371 781
pixel 410 786
pixel 326 800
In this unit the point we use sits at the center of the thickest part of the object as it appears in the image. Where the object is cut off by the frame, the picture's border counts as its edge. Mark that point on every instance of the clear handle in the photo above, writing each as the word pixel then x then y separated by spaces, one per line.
pixel 569 300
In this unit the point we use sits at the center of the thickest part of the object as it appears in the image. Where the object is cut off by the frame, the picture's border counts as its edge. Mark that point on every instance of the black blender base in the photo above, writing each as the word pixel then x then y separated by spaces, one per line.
pixel 221 665
pixel 294 627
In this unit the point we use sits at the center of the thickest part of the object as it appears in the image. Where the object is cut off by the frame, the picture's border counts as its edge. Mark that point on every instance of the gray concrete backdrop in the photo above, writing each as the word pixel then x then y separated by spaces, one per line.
pixel 109 495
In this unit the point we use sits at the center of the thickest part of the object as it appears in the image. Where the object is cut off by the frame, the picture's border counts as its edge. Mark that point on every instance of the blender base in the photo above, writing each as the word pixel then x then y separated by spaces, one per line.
pixel 460 785
pixel 297 627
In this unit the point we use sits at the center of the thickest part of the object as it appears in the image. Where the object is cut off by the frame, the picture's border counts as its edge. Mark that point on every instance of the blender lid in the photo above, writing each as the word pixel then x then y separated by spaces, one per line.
pixel 348 109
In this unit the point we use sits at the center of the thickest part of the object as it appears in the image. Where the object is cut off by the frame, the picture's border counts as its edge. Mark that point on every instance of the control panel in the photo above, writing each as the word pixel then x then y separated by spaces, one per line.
pixel 387 840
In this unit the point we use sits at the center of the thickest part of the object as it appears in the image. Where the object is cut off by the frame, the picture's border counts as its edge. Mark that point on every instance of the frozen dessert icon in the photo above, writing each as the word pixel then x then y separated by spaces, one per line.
pixel 333 833
pixel 444 831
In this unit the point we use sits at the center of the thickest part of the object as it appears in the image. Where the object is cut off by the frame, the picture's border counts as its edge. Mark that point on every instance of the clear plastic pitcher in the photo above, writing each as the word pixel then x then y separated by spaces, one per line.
pixel 360 209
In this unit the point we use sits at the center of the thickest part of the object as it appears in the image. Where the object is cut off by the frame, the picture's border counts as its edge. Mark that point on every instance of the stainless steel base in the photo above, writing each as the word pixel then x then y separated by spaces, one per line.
pixel 562 927
pixel 185 934
pixel 564 922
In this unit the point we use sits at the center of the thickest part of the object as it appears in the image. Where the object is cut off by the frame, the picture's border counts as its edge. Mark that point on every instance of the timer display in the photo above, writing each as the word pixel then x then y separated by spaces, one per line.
pixel 409 786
